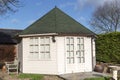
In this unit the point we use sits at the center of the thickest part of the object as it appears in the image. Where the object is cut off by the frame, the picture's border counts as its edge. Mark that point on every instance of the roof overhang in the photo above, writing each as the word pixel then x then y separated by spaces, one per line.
pixel 57 34
pixel 32 35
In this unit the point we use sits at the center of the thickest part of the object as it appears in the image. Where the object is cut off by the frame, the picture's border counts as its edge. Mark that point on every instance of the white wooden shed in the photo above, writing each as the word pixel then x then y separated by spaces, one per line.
pixel 57 44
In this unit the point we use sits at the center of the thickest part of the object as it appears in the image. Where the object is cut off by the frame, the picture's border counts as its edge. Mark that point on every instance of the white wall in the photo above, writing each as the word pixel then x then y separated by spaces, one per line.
pixel 39 66
pixel 61 54
pixel 57 64
pixel 93 55
pixel 88 54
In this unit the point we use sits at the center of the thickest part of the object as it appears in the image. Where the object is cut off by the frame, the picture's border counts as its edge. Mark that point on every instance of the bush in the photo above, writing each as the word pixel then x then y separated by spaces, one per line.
pixel 108 47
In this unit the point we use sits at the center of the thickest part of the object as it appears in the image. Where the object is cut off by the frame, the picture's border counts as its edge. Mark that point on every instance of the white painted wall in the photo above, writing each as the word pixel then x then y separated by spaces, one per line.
pixel 61 55
pixel 57 64
pixel 39 66
pixel 94 55
pixel 88 54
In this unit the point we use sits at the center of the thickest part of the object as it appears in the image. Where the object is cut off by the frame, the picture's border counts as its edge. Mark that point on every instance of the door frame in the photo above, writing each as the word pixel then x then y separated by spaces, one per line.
pixel 74 67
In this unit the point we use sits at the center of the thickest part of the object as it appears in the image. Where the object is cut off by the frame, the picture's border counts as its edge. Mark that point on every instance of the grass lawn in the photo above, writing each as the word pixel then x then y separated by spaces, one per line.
pixel 100 78
pixel 31 76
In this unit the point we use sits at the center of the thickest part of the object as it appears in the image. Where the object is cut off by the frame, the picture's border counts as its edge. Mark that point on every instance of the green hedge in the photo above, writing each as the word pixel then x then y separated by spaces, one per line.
pixel 108 47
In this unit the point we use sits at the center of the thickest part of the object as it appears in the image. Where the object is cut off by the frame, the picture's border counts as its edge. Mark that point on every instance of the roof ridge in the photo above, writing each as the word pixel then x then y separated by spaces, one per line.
pixel 55 19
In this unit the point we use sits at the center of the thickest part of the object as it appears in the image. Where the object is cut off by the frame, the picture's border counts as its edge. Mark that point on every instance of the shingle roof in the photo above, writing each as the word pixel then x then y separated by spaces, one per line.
pixel 7 36
pixel 56 21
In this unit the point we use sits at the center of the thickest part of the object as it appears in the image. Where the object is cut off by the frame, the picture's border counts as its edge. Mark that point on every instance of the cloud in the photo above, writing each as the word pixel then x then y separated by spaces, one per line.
pixel 38 3
pixel 67 4
pixel 15 21
pixel 81 19
pixel 81 4
pixel 87 3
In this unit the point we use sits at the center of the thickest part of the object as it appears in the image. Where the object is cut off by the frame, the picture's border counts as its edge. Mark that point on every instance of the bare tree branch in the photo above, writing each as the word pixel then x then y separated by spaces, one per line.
pixel 106 18
pixel 8 6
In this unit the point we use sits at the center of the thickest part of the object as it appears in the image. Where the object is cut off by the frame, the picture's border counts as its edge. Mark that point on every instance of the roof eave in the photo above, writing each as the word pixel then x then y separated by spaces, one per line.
pixel 32 35
pixel 57 34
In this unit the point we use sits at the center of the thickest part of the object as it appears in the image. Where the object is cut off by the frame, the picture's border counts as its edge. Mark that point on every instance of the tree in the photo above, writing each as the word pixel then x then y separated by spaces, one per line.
pixel 106 18
pixel 8 6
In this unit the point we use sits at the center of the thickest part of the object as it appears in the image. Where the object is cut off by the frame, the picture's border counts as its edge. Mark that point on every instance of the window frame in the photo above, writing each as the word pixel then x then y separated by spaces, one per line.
pixel 78 50
pixel 81 53
pixel 33 51
pixel 44 52
pixel 70 59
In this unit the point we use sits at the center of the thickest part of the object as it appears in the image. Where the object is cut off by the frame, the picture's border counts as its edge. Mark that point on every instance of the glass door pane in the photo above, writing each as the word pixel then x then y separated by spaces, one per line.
pixel 80 50
pixel 70 50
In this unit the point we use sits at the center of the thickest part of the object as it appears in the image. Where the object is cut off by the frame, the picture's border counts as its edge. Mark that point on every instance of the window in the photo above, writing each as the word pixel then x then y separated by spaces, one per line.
pixel 39 48
pixel 45 47
pixel 34 48
pixel 70 50
pixel 80 50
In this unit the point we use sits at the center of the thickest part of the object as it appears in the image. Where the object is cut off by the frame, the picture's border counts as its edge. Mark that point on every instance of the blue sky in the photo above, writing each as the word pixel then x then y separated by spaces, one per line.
pixel 31 10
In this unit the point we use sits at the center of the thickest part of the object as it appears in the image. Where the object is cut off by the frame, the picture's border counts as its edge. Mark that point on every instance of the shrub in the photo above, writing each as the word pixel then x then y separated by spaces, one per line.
pixel 108 47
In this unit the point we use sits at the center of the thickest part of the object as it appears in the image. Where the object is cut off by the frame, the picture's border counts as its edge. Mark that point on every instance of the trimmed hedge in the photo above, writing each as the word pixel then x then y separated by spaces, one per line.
pixel 108 47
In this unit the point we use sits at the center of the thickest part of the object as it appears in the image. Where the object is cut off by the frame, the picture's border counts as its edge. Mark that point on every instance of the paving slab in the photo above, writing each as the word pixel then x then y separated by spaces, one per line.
pixel 83 75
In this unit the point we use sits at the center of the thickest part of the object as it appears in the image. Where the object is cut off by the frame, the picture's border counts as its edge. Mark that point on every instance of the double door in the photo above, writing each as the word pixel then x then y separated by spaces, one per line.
pixel 75 56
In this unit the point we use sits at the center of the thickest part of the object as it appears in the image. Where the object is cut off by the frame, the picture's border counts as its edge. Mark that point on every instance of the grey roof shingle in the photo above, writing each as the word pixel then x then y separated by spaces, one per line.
pixel 56 21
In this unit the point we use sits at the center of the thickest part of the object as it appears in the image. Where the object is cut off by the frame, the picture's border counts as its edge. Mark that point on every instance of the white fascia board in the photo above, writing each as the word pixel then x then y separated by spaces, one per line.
pixel 46 34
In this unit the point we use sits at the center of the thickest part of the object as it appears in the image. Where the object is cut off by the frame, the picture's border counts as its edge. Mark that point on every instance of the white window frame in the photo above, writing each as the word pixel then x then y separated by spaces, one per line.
pixel 80 50
pixel 35 50
pixel 75 50
pixel 70 50
pixel 45 53
pixel 34 53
